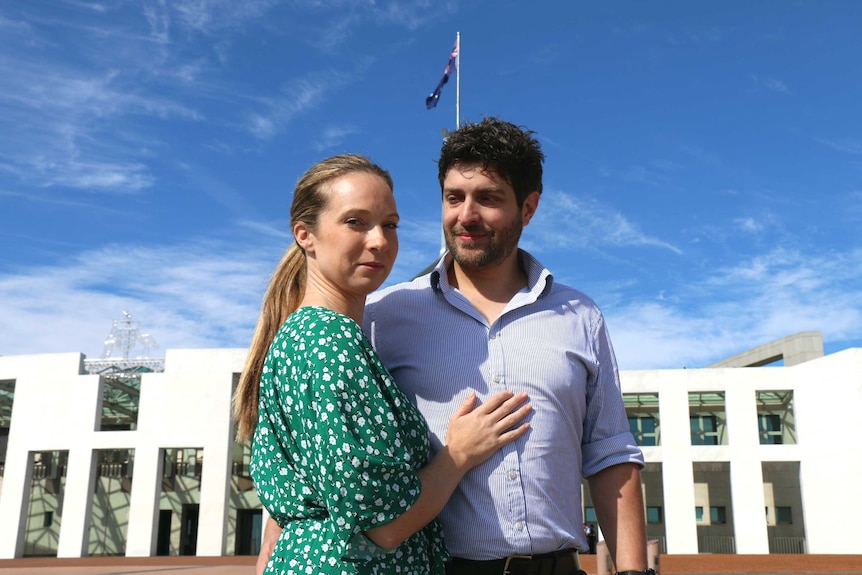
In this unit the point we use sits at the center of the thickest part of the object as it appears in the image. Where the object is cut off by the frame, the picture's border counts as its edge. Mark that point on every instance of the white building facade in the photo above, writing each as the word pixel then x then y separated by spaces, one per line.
pixel 749 460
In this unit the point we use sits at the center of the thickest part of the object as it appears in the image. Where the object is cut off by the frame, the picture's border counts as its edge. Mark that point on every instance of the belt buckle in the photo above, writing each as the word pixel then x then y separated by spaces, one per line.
pixel 509 560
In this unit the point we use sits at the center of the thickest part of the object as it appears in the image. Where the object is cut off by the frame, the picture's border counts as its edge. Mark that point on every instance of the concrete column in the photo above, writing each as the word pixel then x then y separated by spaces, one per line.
pixel 14 500
pixel 77 504
pixel 746 472
pixel 677 472
pixel 215 486
pixel 144 505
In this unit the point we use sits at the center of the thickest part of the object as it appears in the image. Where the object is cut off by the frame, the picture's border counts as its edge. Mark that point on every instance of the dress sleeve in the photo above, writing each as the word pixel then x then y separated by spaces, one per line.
pixel 360 467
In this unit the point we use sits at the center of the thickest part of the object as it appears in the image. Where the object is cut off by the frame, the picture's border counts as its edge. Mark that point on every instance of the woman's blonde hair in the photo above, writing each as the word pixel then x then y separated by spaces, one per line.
pixel 287 286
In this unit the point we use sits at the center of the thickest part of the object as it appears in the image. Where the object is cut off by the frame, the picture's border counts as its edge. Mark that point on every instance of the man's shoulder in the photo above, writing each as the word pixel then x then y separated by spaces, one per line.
pixel 400 292
pixel 564 292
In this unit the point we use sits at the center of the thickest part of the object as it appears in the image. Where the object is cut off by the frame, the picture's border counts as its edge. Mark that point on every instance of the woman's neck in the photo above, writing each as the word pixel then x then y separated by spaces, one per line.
pixel 337 302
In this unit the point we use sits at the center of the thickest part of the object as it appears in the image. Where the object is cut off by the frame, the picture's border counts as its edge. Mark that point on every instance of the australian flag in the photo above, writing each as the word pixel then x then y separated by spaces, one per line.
pixel 431 101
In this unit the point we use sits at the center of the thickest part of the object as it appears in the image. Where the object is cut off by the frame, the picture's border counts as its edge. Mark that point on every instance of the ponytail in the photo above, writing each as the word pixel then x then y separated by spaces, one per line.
pixel 285 291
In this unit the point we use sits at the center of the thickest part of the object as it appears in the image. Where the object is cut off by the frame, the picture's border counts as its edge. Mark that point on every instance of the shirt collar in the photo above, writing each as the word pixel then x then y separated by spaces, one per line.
pixel 539 278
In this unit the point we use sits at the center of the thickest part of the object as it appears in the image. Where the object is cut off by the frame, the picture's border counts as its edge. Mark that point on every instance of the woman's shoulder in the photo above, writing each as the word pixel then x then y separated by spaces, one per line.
pixel 314 322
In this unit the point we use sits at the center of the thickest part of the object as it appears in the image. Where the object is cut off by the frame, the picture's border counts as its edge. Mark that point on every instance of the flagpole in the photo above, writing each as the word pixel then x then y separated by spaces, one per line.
pixel 458 81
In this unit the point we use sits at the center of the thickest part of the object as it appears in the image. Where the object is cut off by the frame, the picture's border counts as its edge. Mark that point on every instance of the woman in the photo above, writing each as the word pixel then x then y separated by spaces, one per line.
pixel 340 454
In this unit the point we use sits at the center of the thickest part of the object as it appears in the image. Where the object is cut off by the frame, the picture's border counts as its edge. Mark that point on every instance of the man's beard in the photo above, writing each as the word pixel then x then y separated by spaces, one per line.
pixel 499 245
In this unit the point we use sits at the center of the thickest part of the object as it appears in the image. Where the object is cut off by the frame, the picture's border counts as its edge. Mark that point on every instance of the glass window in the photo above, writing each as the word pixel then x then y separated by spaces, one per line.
pixel 704 430
pixel 783 516
pixel 770 429
pixel 707 417
pixel 642 411
pixel 698 514
pixel 121 394
pixel 653 515
pixel 775 419
pixel 109 507
pixel 590 515
pixel 717 515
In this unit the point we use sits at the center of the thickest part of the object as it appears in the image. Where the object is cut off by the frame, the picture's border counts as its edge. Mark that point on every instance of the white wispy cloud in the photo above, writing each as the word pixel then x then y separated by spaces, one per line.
pixel 565 221
pixel 764 298
pixel 295 98
pixel 852 146
pixel 191 295
pixel 770 84
pixel 207 294
pixel 332 136
pixel 748 224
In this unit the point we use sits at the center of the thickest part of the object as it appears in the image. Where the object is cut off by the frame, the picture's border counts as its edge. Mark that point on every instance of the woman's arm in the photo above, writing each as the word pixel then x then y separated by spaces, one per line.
pixel 271 533
pixel 472 437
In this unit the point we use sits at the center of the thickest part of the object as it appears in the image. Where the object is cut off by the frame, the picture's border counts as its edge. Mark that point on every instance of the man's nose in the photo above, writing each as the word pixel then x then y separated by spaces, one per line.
pixel 468 213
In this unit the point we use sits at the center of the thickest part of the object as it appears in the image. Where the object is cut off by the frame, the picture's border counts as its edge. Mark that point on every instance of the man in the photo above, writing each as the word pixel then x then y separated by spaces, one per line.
pixel 489 317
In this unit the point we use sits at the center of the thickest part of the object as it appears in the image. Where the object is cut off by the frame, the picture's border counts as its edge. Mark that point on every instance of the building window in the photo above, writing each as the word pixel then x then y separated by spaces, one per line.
pixel 717 515
pixel 704 430
pixel 775 419
pixel 783 516
pixel 642 412
pixel 653 514
pixel 707 418
pixel 770 429
pixel 7 398
pixel 121 395
pixel 590 515
pixel 644 430
pixel 698 514
pixel 48 519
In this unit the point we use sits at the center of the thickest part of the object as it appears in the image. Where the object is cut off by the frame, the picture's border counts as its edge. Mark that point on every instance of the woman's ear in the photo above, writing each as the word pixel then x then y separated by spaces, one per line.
pixel 304 238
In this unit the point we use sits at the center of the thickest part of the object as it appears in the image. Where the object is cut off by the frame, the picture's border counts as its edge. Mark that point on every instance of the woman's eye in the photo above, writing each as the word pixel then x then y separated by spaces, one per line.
pixel 392 226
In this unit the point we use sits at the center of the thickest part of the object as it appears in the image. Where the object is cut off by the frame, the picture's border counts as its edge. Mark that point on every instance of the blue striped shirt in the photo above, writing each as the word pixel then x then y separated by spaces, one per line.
pixel 550 341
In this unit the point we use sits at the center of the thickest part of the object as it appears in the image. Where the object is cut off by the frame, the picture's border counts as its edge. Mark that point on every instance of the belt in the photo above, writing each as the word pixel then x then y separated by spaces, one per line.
pixel 563 562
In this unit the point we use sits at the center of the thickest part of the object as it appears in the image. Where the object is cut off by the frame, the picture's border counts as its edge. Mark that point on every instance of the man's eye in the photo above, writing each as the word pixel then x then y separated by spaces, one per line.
pixel 353 222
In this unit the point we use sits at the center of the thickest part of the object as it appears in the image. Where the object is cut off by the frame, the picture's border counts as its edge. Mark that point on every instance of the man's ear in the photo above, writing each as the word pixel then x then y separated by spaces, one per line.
pixel 528 209
pixel 304 238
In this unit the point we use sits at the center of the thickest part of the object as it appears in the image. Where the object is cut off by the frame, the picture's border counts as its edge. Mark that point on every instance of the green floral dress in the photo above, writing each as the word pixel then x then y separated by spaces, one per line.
pixel 336 451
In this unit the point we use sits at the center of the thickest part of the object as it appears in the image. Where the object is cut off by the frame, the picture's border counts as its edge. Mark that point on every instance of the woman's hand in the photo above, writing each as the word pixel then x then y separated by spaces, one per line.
pixel 474 434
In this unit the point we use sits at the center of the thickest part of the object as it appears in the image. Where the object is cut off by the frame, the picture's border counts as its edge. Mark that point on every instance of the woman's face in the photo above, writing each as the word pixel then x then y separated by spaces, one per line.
pixel 353 247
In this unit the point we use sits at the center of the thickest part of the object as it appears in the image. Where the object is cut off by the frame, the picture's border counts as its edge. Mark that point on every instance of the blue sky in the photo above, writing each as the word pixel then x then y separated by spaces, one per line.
pixel 703 180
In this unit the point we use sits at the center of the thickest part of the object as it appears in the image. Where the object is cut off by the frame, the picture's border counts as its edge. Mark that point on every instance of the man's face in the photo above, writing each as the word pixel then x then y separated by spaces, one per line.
pixel 482 222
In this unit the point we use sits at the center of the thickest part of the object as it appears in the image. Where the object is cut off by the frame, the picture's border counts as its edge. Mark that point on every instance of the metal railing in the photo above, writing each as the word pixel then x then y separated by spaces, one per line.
pixel 791 545
pixel 725 544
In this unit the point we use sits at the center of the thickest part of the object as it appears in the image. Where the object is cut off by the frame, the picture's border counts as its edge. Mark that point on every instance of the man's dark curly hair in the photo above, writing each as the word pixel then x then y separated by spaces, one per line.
pixel 505 148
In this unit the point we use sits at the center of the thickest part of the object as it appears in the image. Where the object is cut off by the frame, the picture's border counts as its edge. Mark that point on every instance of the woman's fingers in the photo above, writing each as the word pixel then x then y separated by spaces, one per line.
pixel 512 418
pixel 466 405
pixel 502 400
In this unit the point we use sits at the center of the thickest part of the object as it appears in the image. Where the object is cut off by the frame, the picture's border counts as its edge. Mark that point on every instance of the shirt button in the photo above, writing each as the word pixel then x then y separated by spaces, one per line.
pixel 512 475
pixel 519 526
pixel 497 378
pixel 492 335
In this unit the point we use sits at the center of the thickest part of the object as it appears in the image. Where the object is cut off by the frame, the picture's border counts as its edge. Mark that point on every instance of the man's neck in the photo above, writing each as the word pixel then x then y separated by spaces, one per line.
pixel 491 288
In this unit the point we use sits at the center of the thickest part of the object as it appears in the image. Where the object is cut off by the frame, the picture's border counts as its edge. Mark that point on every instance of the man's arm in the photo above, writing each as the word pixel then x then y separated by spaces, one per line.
pixel 618 500
pixel 271 533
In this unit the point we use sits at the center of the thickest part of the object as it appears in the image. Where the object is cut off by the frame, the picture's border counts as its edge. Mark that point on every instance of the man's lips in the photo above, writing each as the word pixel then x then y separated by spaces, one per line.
pixel 470 236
